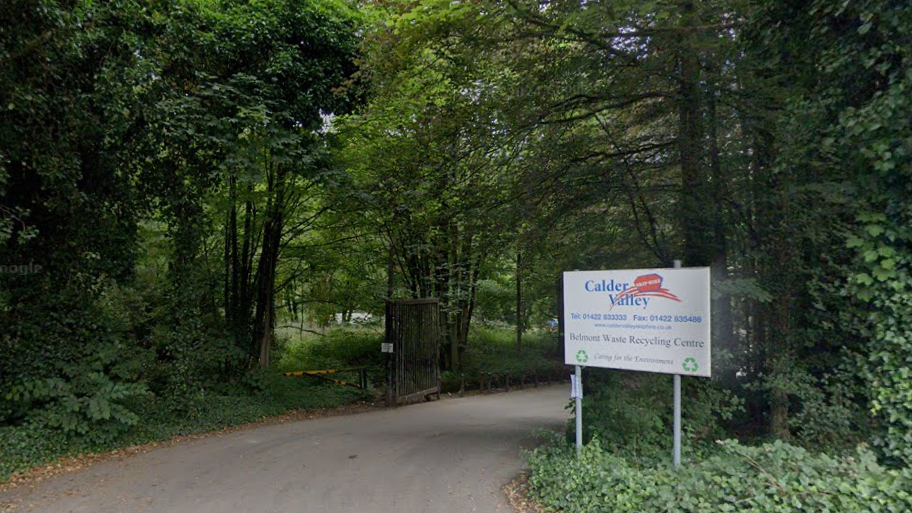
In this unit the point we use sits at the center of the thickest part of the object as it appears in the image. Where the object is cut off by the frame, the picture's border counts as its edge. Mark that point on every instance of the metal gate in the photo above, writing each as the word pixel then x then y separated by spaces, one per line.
pixel 413 368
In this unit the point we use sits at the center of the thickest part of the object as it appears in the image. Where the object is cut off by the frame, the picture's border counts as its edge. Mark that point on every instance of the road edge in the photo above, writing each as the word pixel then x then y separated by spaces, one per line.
pixel 68 464
pixel 519 499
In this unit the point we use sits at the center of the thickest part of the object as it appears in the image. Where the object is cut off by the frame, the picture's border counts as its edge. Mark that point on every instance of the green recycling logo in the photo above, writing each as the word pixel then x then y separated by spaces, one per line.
pixel 690 365
pixel 581 356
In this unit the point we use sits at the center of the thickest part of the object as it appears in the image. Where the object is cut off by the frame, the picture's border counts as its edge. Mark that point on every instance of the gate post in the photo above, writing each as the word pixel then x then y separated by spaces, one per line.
pixel 390 367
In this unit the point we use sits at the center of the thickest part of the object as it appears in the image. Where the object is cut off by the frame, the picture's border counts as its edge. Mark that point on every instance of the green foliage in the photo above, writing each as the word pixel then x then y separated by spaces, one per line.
pixel 117 112
pixel 631 412
pixel 848 121
pixel 335 348
pixel 68 205
pixel 89 404
pixel 829 412
pixel 260 395
pixel 772 478
pixel 489 359
pixel 491 356
pixel 183 173
pixel 496 300
pixel 431 165
pixel 889 324
pixel 27 446
pixel 82 375
pixel 253 398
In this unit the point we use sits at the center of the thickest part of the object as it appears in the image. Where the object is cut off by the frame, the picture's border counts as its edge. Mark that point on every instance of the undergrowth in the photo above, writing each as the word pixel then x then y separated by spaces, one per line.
pixel 771 478
pixel 491 359
pixel 257 397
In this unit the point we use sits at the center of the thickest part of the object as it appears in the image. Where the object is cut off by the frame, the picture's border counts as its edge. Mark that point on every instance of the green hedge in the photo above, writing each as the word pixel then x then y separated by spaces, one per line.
pixel 773 478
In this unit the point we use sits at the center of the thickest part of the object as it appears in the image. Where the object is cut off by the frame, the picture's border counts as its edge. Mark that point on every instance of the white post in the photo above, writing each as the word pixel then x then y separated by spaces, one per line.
pixel 579 409
pixel 677 407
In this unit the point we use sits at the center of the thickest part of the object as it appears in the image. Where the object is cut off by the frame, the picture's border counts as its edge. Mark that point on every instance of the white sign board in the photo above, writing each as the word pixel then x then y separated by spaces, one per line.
pixel 652 320
pixel 386 347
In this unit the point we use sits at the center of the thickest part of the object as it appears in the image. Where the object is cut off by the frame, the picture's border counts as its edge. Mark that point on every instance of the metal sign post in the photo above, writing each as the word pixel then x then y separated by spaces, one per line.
pixel 677 420
pixel 677 408
pixel 577 390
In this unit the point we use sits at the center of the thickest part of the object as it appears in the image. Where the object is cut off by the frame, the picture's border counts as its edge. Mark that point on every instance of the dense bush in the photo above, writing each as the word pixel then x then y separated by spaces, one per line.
pixel 634 411
pixel 773 478
pixel 78 382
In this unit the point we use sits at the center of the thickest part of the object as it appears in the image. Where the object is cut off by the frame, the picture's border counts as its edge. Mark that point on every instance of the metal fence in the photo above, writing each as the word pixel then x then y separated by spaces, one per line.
pixel 413 367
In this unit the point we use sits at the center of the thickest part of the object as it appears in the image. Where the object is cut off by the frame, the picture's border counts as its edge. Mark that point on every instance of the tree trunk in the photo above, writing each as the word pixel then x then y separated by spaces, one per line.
pixel 244 301
pixel 235 259
pixel 233 271
pixel 775 257
pixel 560 316
pixel 468 309
pixel 391 270
pixel 779 413
pixel 693 179
pixel 519 309
pixel 264 320
pixel 723 323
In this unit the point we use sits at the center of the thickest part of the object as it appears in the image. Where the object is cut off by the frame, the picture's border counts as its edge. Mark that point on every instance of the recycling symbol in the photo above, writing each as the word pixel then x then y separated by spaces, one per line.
pixel 581 356
pixel 690 365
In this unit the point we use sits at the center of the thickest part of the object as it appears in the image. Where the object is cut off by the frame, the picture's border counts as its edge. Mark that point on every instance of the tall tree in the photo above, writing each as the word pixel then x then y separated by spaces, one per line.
pixel 246 133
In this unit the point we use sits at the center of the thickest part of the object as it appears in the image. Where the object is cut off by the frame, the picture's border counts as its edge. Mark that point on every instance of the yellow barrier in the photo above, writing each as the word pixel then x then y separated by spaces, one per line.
pixel 362 375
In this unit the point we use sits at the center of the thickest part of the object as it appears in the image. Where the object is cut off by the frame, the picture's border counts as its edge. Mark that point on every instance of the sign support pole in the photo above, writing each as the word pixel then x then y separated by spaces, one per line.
pixel 677 408
pixel 579 409
pixel 677 420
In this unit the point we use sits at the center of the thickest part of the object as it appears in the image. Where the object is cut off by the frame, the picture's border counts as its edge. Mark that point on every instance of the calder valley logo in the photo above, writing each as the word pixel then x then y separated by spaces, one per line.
pixel 639 294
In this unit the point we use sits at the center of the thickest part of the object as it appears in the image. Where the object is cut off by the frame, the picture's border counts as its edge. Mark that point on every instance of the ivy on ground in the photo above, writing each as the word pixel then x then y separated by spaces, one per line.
pixel 772 478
